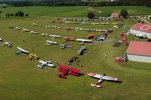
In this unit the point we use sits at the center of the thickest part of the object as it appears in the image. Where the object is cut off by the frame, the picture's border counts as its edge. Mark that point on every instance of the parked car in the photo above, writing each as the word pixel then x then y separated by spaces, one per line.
pixel 120 59
pixel 117 44
pixel 101 38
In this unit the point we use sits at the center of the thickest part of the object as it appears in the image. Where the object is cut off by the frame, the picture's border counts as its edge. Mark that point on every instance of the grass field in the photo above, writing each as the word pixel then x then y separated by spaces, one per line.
pixel 20 79
pixel 75 11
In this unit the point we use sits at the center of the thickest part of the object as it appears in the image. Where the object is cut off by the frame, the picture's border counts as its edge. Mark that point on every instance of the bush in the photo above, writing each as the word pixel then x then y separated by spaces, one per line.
pixel 124 13
pixel 26 14
pixel 108 15
pixel 11 14
pixel 20 13
pixel 16 14
pixel 91 15
pixel 7 15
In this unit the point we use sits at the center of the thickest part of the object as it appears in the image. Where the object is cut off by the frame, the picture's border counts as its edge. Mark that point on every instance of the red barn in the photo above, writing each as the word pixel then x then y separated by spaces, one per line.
pixel 139 51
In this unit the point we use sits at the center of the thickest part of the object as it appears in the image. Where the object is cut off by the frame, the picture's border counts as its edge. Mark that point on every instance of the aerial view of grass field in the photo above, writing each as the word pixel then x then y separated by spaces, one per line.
pixel 28 43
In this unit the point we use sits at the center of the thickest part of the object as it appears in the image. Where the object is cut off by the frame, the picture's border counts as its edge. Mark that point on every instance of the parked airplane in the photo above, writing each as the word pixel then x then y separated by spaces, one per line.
pixel 82 50
pixel 1 39
pixel 55 36
pixel 11 26
pixel 67 71
pixel 68 38
pixel 25 30
pixel 7 44
pixel 45 64
pixel 84 41
pixel 34 24
pixel 51 42
pixel 23 50
pixel 44 34
pixel 102 78
pixel 33 32
pixel 17 28
pixel 65 46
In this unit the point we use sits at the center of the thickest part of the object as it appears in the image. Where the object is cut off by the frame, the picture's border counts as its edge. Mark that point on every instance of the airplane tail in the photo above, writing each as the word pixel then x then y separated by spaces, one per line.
pixel 96 85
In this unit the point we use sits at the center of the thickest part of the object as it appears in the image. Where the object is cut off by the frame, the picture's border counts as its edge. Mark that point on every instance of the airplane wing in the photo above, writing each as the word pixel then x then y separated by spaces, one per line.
pixel 48 41
pixel 95 75
pixel 52 42
pixel 41 61
pixel 39 66
pixel 102 77
pixel 52 35
pixel 50 65
pixel 84 40
pixel 80 51
pixel 55 36
pixel 108 78
pixel 81 40
pixel 22 50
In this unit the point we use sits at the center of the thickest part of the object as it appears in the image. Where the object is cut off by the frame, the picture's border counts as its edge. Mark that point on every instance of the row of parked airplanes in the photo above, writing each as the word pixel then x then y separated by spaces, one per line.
pixel 48 42
pixel 82 41
pixel 66 70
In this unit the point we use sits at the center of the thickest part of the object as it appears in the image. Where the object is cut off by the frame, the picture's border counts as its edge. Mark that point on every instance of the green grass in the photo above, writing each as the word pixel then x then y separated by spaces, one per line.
pixel 20 79
pixel 75 11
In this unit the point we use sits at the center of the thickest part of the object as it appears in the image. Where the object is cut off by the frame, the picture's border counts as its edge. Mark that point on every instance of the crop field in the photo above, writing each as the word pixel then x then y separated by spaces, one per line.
pixel 21 79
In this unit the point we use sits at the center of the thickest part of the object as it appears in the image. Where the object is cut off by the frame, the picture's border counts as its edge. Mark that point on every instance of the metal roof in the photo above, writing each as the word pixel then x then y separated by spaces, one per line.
pixel 139 48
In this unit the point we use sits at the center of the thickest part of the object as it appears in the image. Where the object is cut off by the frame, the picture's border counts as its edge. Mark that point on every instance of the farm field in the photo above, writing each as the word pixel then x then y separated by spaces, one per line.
pixel 21 79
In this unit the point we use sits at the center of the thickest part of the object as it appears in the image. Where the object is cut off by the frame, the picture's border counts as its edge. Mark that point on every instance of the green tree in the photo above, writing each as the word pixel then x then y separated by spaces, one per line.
pixel 20 13
pixel 124 13
pixel 91 15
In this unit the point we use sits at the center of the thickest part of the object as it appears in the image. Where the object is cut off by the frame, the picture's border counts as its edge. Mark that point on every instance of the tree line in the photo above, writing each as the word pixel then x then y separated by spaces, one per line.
pixel 17 14
pixel 77 3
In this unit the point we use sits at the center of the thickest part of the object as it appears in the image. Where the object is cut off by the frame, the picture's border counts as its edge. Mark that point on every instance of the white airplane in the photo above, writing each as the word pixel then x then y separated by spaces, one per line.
pixel 84 41
pixel 55 36
pixel 23 50
pixel 1 39
pixel 45 64
pixel 33 32
pixel 25 30
pixel 17 28
pixel 11 26
pixel 65 46
pixel 34 24
pixel 7 44
pixel 51 42
pixel 44 34
pixel 102 78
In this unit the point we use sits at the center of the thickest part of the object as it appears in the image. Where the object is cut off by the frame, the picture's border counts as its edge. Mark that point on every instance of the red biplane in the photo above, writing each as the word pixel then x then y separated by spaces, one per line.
pixel 67 71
